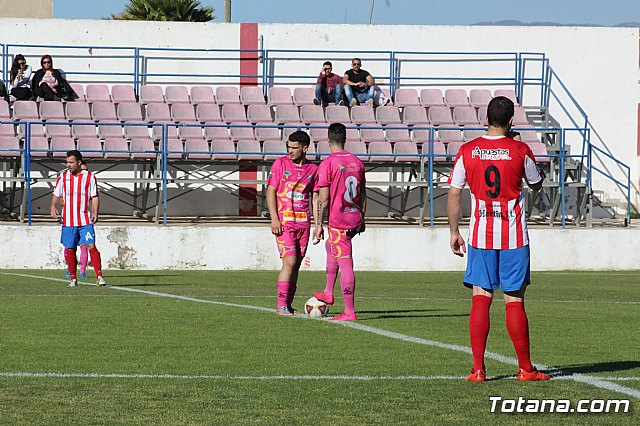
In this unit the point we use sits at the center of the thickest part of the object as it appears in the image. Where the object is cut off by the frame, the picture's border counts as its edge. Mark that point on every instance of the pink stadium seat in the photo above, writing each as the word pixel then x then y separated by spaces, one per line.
pixel 197 149
pixel 103 111
pixel 311 152
pixel 259 114
pixel 190 130
pixel 109 129
pixel 412 115
pixel 123 93
pixel 52 110
pixel 471 134
pixel 290 128
pixel 240 131
pixel 214 131
pixel 450 136
pixel 406 152
pixel 25 110
pixel 251 95
pixel 439 152
pixel 98 93
pixel 363 115
pixel 303 96
pixel 227 95
pixel 431 97
pixel 223 149
pixel 421 135
pixel 202 95
pixel 249 150
pixel 78 111
pixel 353 134
pixel 175 149
pixel 90 147
pixel 157 112
pixel 322 149
pixel 338 114
pixel 312 114
pixel 4 110
pixel 182 112
pixel 463 116
pixel 276 148
pixel 380 152
pixel 372 135
pixel 520 116
pixel 233 113
pixel 539 151
pixel 527 134
pixel 397 135
pixel 453 148
pixel 206 113
pixel 134 130
pixel 58 131
pixel 456 98
pixel 39 147
pixel 151 94
pixel 35 129
pixel 129 111
pixel 141 145
pixel 171 130
pixel 479 97
pixel 507 93
pixel 83 131
pixel 176 95
pixel 407 97
pixel 60 146
pixel 318 134
pixel 79 89
pixel 482 115
pixel 441 116
pixel 287 114
pixel 280 96
pixel 119 145
pixel 7 129
pixel 9 147
pixel 268 134
pixel 359 149
pixel 388 115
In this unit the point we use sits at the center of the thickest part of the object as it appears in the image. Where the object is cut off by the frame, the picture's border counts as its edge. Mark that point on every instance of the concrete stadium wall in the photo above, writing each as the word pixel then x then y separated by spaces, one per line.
pixel 598 65
pixel 26 9
pixel 240 248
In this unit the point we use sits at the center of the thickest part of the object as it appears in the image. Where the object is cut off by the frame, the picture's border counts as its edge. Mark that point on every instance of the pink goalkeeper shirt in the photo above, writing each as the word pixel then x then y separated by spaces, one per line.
pixel 294 187
pixel 343 173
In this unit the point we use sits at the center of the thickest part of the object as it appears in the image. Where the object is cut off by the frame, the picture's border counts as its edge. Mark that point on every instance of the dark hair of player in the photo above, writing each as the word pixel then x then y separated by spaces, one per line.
pixel 328 63
pixel 337 134
pixel 500 112
pixel 75 153
pixel 301 137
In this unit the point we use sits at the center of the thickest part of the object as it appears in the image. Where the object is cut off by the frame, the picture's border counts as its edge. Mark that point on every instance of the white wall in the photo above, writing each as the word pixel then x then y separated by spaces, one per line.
pixel 599 65
pixel 239 248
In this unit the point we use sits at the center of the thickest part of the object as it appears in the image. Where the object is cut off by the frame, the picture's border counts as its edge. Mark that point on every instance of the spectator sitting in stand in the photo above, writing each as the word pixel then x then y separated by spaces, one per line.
pixel 48 83
pixel 328 87
pixel 360 87
pixel 20 79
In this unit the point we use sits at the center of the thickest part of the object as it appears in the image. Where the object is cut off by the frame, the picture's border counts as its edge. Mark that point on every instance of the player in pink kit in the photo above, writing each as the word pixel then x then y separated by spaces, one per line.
pixel 493 166
pixel 79 190
pixel 291 188
pixel 342 195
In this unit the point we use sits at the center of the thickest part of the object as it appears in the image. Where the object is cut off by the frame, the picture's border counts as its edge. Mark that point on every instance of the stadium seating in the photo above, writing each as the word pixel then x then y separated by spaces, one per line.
pixel 449 136
pixel 397 135
pixel 441 116
pixel 60 146
pixel 223 150
pixel 372 135
pixel 456 98
pixel 276 148
pixel 7 129
pixel 25 110
pixel 388 115
pixel 90 147
pixel 52 110
pixel 406 98
pixel 116 148
pixel 83 131
pixel 176 95
pixel 312 114
pixel 259 113
pixel 452 149
pixel 381 152
pixel 207 112
pixel 122 93
pixel 183 112
pixel 251 95
pixel 202 95
pixel 58 130
pixel 104 111
pixel 129 112
pixel 141 145
pixel 78 111
pixel 507 93
pixel 415 115
pixel 151 94
pixel 471 134
pixel 190 130
pixel 249 150
pixel 98 93
pixel 233 113
pixel 214 131
pixel 431 97
pixel 241 131
pixel 358 148
pixel 465 115
pixel 226 95
pixel 287 114
pixel 303 96
pixel 406 152
pixel 9 146
pixel 363 115
pixel 519 116
pixel 79 89
pixel 39 147
pixel 337 114
pixel 479 97
pixel 197 149
pixel 280 96
pixel 268 134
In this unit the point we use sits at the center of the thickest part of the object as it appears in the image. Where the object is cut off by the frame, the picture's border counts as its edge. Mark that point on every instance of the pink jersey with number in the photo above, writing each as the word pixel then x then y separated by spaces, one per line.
pixel 76 191
pixel 343 173
pixel 294 187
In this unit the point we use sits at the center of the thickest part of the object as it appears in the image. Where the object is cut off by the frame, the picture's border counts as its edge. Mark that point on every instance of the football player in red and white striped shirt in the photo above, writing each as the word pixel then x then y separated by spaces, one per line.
pixel 493 166
pixel 79 190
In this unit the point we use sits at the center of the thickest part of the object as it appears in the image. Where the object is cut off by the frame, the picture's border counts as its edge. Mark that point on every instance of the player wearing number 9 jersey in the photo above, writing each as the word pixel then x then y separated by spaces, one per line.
pixel 342 196
pixel 494 166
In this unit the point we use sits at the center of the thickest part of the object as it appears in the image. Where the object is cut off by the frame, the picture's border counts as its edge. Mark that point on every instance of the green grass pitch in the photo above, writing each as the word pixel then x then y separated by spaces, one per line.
pixel 141 358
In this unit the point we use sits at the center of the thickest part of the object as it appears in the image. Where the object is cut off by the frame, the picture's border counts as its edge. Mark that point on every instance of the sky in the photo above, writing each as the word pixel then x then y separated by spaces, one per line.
pixel 410 12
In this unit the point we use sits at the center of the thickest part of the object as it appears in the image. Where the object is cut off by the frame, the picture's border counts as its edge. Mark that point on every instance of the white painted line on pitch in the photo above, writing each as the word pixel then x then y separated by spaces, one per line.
pixel 221 377
pixel 591 380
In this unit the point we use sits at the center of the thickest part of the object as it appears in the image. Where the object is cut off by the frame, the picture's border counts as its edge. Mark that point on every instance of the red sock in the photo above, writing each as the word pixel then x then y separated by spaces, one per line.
pixel 479 328
pixel 72 261
pixel 518 328
pixel 96 261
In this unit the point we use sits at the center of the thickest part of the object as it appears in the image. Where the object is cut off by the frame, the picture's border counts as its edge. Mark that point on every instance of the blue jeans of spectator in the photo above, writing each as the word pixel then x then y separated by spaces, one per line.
pixel 362 95
pixel 328 97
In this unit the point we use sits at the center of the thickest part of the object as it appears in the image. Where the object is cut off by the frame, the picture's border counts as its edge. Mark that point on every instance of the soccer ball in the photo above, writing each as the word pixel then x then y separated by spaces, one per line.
pixel 316 308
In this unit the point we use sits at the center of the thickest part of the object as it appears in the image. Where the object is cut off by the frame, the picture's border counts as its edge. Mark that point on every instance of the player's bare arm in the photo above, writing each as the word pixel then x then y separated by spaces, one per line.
pixel 323 214
pixel 276 226
pixel 314 208
pixel 95 208
pixel 54 207
pixel 457 243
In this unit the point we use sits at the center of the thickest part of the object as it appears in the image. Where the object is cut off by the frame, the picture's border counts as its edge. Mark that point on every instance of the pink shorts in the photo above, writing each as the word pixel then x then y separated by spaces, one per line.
pixel 293 241
pixel 338 243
